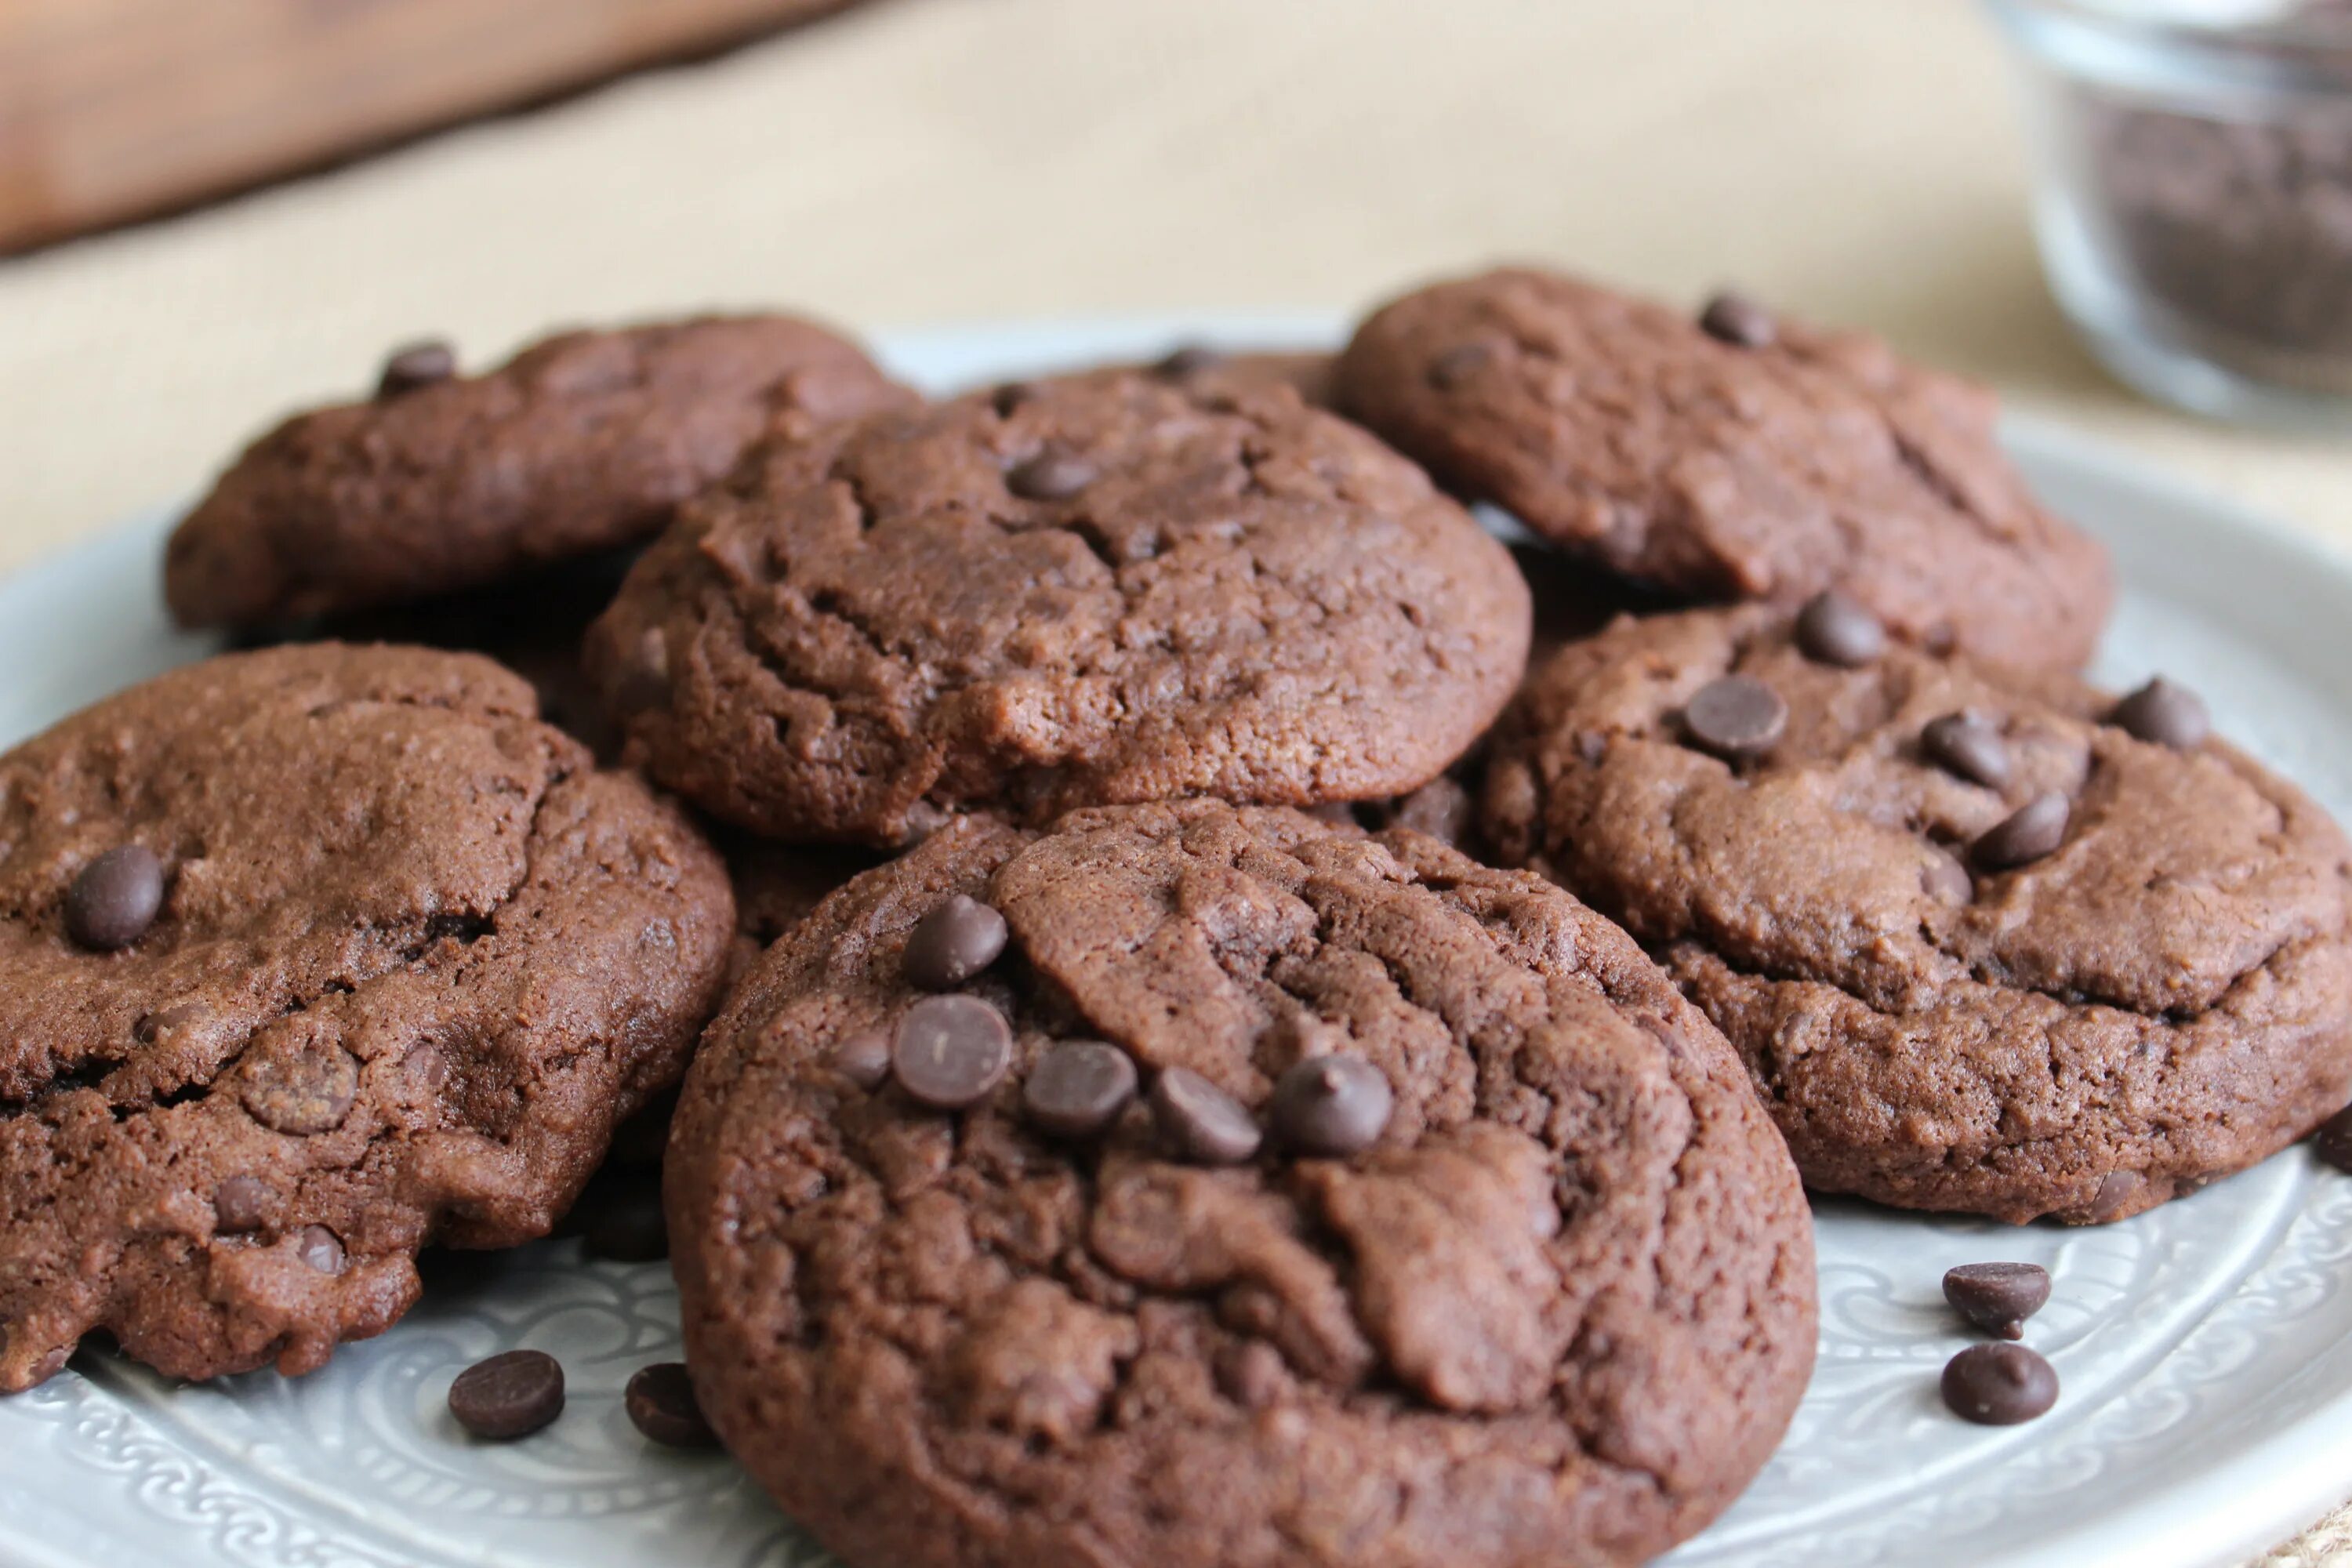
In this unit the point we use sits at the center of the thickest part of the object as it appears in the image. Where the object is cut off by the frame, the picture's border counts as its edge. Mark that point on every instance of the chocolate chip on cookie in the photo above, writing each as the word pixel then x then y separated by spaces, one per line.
pixel 1201 1121
pixel 1738 319
pixel 2163 714
pixel 1078 1087
pixel 951 1051
pixel 956 940
pixel 1835 630
pixel 1333 1105
pixel 2172 925
pixel 414 366
pixel 1735 717
pixel 115 898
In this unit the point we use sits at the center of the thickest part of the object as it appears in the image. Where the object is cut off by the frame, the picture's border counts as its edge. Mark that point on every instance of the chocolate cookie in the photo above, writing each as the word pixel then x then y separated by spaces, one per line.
pixel 1992 943
pixel 582 443
pixel 1314 1199
pixel 1751 458
pixel 1089 590
pixel 311 956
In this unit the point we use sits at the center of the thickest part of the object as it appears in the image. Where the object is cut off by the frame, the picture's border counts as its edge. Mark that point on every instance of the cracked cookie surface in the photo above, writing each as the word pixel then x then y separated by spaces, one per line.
pixel 412 959
pixel 1089 590
pixel 2162 998
pixel 1721 471
pixel 1559 1311
pixel 581 442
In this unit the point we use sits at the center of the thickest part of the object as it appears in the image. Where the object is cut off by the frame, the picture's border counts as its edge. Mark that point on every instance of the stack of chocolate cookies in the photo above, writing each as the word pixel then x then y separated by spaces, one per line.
pixel 1203 1054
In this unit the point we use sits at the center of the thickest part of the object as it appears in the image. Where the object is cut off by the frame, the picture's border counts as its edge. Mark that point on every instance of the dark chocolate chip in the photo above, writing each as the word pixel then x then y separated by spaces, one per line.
pixel 1966 747
pixel 241 1204
pixel 661 1404
pixel 321 1248
pixel 1999 1385
pixel 642 683
pixel 303 1092
pixel 1010 396
pixel 115 898
pixel 1737 320
pixel 417 365
pixel 951 1051
pixel 1458 364
pixel 1078 1087
pixel 1441 808
pixel 1050 476
pixel 1945 880
pixel 629 1229
pixel 1998 1297
pixel 958 938
pixel 2163 714
pixel 1333 1105
pixel 512 1395
pixel 1833 629
pixel 864 1059
pixel 1201 1121
pixel 2024 836
pixel 154 1026
pixel 1735 717
pixel 2333 1140
pixel 1189 360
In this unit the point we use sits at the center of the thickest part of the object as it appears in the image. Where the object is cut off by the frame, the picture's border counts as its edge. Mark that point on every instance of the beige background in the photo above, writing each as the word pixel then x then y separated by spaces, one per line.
pixel 931 160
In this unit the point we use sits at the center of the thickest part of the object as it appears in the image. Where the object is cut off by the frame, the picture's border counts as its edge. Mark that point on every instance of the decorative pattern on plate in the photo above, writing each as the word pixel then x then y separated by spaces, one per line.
pixel 2205 1348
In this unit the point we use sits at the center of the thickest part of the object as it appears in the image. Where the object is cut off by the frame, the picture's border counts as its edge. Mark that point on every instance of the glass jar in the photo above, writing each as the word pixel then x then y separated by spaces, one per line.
pixel 2193 194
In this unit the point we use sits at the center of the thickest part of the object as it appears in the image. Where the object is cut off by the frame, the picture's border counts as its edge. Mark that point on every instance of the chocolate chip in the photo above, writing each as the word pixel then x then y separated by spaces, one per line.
pixel 951 1051
pixel 302 1092
pixel 1735 717
pixel 1999 1385
pixel 417 365
pixel 154 1026
pixel 1945 880
pixel 1010 396
pixel 1050 476
pixel 1441 808
pixel 1833 629
pixel 642 683
pixel 1998 1297
pixel 864 1059
pixel 1739 320
pixel 955 940
pixel 321 1248
pixel 1202 1122
pixel 241 1204
pixel 1078 1087
pixel 1189 360
pixel 1332 1105
pixel 115 898
pixel 2024 836
pixel 2163 714
pixel 1458 364
pixel 512 1395
pixel 629 1229
pixel 661 1404
pixel 2333 1140
pixel 1966 747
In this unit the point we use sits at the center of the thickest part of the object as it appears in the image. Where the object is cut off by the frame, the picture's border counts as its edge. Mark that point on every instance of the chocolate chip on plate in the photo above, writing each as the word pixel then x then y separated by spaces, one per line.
pixel 1737 320
pixel 1966 747
pixel 1833 629
pixel 864 1059
pixel 1998 1385
pixel 661 1404
pixel 417 365
pixel 510 1394
pixel 1050 476
pixel 1202 1122
pixel 629 1229
pixel 2333 1140
pixel 951 1051
pixel 1332 1105
pixel 1998 1297
pixel 956 939
pixel 2024 836
pixel 115 898
pixel 1735 717
pixel 2163 714
pixel 1078 1087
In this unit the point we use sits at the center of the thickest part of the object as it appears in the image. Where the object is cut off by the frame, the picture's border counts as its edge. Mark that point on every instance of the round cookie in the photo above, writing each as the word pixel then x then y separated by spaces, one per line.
pixel 1559 1307
pixel 1089 590
pixel 2115 970
pixel 412 960
pixel 1761 460
pixel 582 443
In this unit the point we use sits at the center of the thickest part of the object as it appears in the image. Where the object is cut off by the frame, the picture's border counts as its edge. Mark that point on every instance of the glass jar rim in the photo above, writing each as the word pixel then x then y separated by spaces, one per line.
pixel 2183 48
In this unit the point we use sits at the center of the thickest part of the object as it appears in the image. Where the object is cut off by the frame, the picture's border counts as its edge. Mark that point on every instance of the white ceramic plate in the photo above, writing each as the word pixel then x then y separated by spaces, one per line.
pixel 2205 1348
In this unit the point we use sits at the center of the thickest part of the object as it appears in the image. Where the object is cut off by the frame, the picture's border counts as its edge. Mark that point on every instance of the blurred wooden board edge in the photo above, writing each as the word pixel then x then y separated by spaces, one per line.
pixel 113 110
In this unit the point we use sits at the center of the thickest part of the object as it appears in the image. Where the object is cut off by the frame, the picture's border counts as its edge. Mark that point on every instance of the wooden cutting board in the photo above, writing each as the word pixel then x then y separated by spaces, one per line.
pixel 112 109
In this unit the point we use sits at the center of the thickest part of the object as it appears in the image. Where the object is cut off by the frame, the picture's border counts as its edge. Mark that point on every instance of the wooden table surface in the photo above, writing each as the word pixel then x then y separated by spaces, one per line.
pixel 927 161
